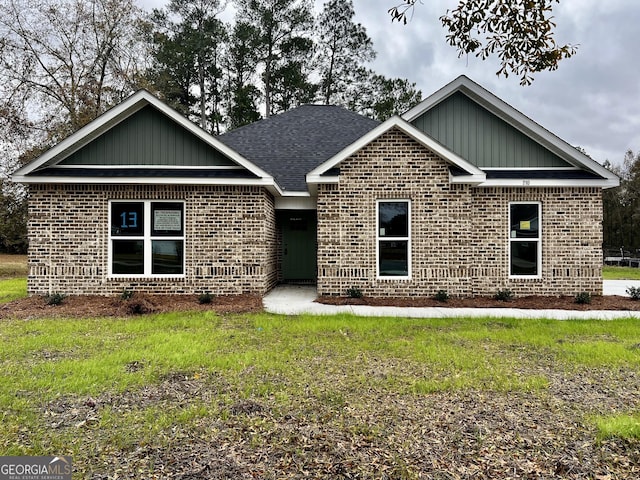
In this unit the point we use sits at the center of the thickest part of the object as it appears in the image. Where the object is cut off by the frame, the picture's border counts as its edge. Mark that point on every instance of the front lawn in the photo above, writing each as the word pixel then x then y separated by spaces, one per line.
pixel 620 273
pixel 12 289
pixel 267 396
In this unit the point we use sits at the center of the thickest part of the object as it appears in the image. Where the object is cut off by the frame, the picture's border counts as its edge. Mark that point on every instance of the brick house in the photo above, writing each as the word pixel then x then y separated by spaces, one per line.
pixel 462 193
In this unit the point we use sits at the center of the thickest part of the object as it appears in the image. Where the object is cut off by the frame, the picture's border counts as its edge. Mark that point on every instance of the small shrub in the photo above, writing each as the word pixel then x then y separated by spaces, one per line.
pixel 205 298
pixel 505 295
pixel 634 293
pixel 441 296
pixel 354 292
pixel 139 305
pixel 583 298
pixel 126 294
pixel 56 298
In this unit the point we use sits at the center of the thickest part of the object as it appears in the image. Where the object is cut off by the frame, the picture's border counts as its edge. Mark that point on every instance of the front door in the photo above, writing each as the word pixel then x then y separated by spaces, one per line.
pixel 299 247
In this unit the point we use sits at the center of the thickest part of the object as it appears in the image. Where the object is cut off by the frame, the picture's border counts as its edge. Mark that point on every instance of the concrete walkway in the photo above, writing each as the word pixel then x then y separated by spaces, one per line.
pixel 618 287
pixel 297 299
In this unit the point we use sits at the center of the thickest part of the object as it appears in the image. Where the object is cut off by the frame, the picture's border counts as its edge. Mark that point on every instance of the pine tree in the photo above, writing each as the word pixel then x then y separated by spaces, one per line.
pixel 188 72
pixel 280 24
pixel 343 50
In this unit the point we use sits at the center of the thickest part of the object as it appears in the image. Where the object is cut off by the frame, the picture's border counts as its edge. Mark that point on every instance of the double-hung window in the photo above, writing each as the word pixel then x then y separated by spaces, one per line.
pixel 394 238
pixel 525 239
pixel 146 238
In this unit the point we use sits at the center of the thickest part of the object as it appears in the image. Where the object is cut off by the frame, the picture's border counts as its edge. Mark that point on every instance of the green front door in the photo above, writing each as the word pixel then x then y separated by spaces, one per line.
pixel 298 244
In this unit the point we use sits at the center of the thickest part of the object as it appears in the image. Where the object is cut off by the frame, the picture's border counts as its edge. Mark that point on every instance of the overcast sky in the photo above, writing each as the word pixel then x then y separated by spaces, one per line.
pixel 592 100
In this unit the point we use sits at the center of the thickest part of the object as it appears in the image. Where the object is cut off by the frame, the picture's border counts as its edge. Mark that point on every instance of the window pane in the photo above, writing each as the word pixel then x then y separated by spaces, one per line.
pixel 393 259
pixel 167 257
pixel 524 220
pixel 128 257
pixel 393 219
pixel 167 219
pixel 524 258
pixel 127 219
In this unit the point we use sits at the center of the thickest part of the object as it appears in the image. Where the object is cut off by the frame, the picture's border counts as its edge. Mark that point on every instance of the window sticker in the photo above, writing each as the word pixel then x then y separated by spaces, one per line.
pixel 167 220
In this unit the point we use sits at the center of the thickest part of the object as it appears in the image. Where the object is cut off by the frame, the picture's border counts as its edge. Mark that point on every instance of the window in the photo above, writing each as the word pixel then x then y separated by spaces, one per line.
pixel 525 250
pixel 146 238
pixel 393 238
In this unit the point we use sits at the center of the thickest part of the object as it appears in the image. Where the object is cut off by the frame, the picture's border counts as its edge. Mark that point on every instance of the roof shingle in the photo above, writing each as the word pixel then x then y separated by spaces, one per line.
pixel 291 144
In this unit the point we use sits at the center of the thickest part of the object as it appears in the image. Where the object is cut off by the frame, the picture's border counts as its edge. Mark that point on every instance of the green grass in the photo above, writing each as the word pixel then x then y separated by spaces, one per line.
pixel 620 273
pixel 12 289
pixel 287 359
pixel 620 426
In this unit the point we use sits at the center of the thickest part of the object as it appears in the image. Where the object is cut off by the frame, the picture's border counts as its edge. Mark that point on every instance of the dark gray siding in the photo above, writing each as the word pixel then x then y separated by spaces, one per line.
pixel 148 138
pixel 482 138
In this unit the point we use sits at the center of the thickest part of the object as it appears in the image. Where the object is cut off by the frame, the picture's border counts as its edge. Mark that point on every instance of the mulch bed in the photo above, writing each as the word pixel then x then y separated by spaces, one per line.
pixel 608 302
pixel 101 306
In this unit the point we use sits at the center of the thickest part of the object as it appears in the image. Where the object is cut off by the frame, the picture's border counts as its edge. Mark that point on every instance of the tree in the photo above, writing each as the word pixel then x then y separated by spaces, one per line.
pixel 62 63
pixel 621 206
pixel 241 61
pixel 67 60
pixel 188 54
pixel 519 32
pixel 379 97
pixel 280 24
pixel 343 49
pixel 290 84
pixel 13 218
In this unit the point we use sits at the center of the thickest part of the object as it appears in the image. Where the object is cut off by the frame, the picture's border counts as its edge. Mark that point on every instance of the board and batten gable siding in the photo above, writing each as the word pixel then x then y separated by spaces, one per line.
pixel 148 138
pixel 230 239
pixel 480 137
pixel 459 233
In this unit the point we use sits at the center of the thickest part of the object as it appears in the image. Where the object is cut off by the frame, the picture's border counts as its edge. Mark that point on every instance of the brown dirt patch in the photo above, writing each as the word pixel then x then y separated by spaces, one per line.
pixel 604 302
pixel 101 306
pixel 381 435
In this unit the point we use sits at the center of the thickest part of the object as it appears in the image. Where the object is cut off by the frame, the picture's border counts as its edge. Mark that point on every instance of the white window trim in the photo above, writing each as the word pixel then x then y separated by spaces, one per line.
pixel 147 238
pixel 538 240
pixel 407 239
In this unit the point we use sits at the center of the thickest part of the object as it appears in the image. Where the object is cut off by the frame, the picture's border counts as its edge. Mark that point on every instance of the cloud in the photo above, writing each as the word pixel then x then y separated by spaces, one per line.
pixel 592 100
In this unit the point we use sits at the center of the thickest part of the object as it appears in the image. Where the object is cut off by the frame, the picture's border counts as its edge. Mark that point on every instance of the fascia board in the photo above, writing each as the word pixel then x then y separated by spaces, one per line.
pixel 116 115
pixel 434 99
pixel 524 183
pixel 405 127
pixel 467 179
pixel 513 117
pixel 315 179
pixel 263 182
pixel 207 138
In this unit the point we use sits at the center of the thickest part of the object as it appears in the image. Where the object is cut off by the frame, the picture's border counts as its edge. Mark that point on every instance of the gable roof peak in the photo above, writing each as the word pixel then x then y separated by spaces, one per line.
pixel 516 119
pixel 115 116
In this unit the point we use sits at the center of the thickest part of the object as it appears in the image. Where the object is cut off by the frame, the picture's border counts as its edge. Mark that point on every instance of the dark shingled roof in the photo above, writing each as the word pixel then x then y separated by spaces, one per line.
pixel 290 145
